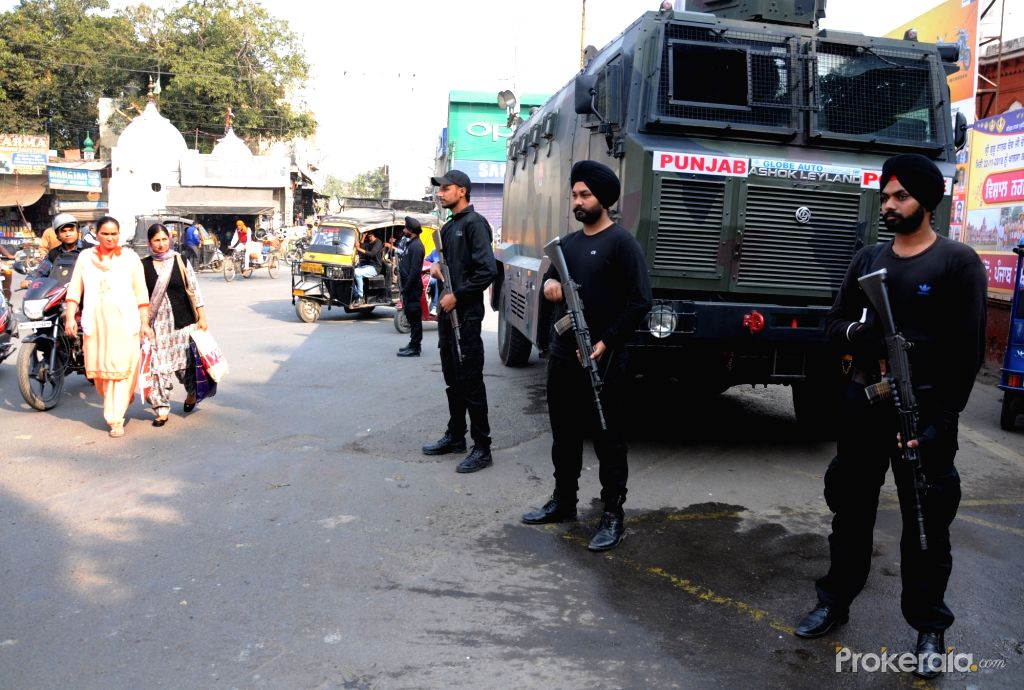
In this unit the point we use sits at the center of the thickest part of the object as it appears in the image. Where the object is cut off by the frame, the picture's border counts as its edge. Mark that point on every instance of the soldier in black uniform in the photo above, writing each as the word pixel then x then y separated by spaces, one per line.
pixel 937 290
pixel 466 239
pixel 608 264
pixel 410 263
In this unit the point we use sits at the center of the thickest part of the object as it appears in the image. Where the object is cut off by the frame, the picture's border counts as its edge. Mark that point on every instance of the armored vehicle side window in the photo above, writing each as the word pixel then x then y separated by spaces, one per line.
pixel 717 77
pixel 722 80
pixel 876 93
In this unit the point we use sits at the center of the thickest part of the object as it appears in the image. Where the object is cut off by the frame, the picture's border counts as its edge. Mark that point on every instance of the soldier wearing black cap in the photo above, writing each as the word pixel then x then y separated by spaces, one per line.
pixel 466 238
pixel 409 266
pixel 608 264
pixel 937 291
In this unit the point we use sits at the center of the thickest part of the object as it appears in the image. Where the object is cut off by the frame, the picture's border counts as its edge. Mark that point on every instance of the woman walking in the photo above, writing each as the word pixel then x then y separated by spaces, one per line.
pixel 109 285
pixel 176 310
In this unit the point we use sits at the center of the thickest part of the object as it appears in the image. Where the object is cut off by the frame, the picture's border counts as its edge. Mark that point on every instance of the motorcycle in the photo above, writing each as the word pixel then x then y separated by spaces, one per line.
pixel 47 354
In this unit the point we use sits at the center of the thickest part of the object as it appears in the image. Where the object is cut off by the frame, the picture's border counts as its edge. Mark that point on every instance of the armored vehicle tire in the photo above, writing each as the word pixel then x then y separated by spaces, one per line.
pixel 816 405
pixel 1008 414
pixel 41 395
pixel 402 322
pixel 513 347
pixel 229 270
pixel 307 310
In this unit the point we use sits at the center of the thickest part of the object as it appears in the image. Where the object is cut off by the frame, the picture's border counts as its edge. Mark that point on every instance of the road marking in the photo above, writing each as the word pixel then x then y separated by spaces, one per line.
pixel 993 525
pixel 991 446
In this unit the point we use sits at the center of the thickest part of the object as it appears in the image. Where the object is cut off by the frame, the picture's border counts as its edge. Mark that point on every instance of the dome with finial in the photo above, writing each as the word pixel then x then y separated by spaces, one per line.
pixel 231 146
pixel 151 131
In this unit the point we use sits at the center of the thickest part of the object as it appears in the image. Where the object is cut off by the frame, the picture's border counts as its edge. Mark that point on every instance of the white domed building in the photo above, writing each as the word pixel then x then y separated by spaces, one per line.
pixel 144 166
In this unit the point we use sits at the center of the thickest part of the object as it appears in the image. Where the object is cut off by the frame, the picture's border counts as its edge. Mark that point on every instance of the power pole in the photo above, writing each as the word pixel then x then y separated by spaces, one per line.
pixel 583 31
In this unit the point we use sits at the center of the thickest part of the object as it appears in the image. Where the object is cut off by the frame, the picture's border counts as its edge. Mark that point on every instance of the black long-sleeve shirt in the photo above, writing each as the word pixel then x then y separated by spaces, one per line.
pixel 410 264
pixel 372 256
pixel 467 250
pixel 611 272
pixel 938 304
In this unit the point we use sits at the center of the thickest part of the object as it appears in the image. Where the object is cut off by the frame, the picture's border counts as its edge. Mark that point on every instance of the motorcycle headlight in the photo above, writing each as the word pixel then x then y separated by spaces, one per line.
pixel 33 308
pixel 661 321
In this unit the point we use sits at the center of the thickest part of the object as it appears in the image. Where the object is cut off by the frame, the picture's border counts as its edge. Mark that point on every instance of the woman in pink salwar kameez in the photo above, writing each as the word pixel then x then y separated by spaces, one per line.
pixel 110 286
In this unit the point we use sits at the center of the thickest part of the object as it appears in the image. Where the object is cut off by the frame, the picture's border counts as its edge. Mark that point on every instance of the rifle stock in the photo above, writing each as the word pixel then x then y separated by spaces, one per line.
pixel 575 320
pixel 446 278
pixel 898 387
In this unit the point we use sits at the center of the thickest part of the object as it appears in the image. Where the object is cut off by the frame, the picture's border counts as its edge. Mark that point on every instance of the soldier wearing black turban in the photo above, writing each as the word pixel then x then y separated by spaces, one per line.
pixel 937 290
pixel 606 261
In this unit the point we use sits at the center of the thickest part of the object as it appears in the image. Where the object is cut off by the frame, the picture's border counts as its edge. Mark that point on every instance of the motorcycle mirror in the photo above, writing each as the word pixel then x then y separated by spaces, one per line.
pixel 19 267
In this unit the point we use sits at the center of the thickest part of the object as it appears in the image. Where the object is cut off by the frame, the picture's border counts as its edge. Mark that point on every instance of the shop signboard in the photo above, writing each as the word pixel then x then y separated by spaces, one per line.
pixel 25 154
pixel 257 172
pixel 995 196
pixel 952 21
pixel 74 179
pixel 477 128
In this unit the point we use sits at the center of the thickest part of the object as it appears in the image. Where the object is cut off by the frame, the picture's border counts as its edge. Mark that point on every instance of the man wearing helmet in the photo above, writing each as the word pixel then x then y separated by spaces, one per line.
pixel 66 227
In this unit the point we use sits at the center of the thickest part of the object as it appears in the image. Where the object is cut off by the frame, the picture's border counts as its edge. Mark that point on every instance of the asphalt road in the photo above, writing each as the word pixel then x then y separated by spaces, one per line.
pixel 290 534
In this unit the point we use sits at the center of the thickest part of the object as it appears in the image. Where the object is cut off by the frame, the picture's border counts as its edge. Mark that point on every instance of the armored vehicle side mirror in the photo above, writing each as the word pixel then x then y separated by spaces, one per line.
pixel 586 88
pixel 960 130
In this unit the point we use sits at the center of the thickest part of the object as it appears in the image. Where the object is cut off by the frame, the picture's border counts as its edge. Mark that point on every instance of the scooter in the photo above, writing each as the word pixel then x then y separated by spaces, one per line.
pixel 401 322
pixel 47 354
pixel 1011 379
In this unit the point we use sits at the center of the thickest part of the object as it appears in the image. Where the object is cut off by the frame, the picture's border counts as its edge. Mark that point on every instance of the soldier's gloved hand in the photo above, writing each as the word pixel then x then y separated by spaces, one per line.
pixel 941 432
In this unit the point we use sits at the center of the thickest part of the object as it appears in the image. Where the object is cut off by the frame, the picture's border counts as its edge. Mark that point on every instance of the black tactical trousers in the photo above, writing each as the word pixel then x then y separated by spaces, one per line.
pixel 573 417
pixel 414 314
pixel 866 448
pixel 465 380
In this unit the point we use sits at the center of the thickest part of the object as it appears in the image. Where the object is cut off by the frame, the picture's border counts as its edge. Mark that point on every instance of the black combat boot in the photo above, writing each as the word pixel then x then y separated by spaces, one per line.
pixel 931 648
pixel 558 509
pixel 445 444
pixel 478 459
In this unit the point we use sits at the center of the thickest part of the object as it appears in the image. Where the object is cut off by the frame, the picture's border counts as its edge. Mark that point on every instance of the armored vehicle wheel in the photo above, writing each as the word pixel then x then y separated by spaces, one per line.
pixel 1008 415
pixel 307 310
pixel 402 322
pixel 513 347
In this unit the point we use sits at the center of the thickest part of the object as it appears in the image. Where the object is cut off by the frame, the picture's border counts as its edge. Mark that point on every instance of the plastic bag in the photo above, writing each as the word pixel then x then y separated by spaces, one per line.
pixel 214 361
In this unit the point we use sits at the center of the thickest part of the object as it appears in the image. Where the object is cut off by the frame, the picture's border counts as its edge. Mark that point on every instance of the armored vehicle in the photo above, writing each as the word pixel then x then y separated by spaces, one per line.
pixel 749 144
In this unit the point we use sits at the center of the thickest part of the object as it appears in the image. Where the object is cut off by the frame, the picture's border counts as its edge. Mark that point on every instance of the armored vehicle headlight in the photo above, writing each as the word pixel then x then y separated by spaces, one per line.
pixel 661 321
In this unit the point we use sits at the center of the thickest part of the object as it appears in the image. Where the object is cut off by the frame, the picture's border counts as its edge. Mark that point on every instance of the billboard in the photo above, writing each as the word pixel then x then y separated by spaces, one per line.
pixel 953 21
pixel 995 196
pixel 25 154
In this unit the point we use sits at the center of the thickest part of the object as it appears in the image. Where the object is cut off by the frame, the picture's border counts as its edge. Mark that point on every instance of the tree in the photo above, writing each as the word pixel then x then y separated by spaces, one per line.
pixel 374 184
pixel 57 57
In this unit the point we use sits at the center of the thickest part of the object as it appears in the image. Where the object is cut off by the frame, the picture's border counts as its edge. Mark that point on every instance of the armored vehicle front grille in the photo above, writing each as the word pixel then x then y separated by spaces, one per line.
pixel 778 251
pixel 884 233
pixel 517 303
pixel 689 225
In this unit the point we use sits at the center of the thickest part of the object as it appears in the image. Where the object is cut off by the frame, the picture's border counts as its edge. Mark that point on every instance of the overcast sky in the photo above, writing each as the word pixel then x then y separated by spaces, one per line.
pixel 381 71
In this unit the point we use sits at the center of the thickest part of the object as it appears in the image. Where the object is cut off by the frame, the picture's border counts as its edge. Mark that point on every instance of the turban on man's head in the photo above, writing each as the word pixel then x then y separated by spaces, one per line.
pixel 600 180
pixel 918 175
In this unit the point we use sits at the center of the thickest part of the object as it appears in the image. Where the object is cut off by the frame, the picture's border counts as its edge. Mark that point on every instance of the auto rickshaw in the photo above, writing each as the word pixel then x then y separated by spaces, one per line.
pixel 1011 379
pixel 325 274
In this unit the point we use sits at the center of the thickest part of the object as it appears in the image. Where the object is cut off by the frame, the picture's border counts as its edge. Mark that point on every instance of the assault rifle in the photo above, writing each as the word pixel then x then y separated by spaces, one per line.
pixel 574 320
pixel 446 278
pixel 896 386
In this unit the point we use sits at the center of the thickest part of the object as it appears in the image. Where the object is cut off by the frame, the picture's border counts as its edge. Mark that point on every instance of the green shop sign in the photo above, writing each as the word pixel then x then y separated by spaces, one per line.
pixel 477 128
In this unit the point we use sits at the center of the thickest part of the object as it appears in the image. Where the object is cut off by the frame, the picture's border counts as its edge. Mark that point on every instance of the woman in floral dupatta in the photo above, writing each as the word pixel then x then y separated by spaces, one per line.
pixel 176 310
pixel 109 285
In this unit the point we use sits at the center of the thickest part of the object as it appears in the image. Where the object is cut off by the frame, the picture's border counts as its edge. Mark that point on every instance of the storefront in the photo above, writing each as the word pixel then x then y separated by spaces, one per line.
pixel 475 142
pixel 22 186
pixel 78 188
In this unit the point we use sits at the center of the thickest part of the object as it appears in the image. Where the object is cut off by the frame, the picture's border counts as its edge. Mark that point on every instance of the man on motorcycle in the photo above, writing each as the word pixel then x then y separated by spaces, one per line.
pixel 66 226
